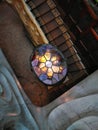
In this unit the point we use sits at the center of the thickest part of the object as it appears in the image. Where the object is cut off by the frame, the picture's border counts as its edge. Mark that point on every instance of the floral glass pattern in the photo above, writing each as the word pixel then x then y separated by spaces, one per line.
pixel 49 64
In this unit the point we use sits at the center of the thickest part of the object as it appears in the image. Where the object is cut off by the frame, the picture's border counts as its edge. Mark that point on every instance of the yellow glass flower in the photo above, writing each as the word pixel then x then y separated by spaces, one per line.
pixel 42 59
pixel 47 56
pixel 55 69
pixel 53 58
pixel 50 72
pixel 41 65
pixel 44 69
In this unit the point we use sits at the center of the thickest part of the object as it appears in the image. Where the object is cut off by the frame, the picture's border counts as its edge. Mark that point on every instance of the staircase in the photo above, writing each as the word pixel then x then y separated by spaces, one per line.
pixel 57 32
pixel 81 17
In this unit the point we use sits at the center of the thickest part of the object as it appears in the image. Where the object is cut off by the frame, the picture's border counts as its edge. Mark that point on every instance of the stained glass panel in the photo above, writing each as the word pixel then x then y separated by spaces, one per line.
pixel 49 64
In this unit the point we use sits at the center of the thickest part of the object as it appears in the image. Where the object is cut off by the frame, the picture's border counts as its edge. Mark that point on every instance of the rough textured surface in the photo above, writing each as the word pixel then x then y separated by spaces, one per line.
pixel 73 111
pixel 17 48
pixel 70 111
pixel 87 123
pixel 14 114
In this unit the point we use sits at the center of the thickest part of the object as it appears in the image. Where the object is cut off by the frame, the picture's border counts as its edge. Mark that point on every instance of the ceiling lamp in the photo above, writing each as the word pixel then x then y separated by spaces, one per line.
pixel 49 64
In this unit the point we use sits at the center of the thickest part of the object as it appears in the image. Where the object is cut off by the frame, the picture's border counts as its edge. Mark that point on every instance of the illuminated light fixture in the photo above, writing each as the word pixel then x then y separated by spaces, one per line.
pixel 49 64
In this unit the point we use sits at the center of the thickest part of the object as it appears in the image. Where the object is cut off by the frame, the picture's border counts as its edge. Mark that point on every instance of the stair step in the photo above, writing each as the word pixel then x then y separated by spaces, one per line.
pixel 56 32
pixel 35 3
pixel 59 40
pixel 50 26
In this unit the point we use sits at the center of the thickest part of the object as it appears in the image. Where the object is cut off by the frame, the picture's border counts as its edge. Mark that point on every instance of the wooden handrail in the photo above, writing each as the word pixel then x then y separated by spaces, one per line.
pixel 36 34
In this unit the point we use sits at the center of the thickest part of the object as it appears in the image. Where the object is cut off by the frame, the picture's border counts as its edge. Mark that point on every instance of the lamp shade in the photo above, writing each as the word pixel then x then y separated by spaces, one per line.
pixel 49 64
